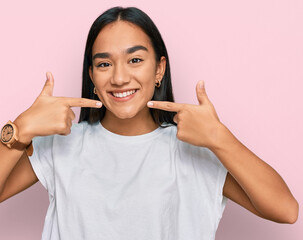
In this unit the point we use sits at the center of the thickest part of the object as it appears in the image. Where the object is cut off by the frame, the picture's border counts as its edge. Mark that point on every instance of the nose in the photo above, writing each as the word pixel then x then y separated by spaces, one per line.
pixel 120 75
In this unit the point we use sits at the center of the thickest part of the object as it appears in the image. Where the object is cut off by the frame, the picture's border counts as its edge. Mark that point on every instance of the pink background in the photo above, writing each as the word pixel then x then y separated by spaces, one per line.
pixel 249 53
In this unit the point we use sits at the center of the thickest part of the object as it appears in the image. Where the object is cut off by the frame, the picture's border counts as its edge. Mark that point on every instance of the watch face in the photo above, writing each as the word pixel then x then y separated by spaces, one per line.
pixel 7 133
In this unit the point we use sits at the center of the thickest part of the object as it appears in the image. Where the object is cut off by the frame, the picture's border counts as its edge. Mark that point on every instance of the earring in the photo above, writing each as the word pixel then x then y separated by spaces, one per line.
pixel 158 83
pixel 95 92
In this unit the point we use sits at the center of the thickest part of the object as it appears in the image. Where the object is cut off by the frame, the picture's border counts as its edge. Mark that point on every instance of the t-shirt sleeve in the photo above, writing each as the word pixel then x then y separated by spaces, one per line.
pixel 212 176
pixel 42 161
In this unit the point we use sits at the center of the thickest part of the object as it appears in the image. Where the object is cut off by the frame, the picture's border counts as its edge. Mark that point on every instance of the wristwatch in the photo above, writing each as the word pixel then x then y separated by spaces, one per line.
pixel 9 137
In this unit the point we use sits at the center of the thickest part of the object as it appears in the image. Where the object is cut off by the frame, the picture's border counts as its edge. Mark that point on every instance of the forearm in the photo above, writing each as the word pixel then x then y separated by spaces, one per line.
pixel 263 185
pixel 10 156
pixel 8 160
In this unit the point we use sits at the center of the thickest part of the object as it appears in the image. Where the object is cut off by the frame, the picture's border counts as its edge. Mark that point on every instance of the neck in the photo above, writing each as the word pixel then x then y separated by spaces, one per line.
pixel 140 124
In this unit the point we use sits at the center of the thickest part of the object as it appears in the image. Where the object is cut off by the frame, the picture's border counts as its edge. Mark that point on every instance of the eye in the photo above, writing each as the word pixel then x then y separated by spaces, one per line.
pixel 136 60
pixel 103 65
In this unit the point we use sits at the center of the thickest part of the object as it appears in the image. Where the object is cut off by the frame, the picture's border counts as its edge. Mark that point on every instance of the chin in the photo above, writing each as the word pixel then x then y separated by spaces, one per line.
pixel 125 114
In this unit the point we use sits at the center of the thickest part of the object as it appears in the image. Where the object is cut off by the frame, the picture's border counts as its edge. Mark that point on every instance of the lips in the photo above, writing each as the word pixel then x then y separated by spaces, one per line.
pixel 123 95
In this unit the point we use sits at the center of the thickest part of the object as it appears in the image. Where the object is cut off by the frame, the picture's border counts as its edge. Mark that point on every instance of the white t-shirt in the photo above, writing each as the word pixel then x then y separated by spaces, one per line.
pixel 105 186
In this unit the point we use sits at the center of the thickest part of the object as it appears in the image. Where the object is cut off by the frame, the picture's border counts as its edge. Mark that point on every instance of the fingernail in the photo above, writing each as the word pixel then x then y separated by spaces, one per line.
pixel 150 104
pixel 201 84
pixel 99 103
pixel 47 76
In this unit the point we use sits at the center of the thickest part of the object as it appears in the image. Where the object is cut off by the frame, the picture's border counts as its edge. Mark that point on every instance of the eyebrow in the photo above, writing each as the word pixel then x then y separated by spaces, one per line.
pixel 127 51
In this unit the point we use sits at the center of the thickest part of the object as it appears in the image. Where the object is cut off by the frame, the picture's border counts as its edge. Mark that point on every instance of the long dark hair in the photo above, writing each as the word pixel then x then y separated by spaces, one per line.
pixel 142 20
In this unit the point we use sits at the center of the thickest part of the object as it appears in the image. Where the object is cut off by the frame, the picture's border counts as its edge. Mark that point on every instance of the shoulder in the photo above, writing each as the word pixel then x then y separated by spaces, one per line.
pixel 194 152
pixel 79 127
pixel 78 131
pixel 83 126
pixel 168 131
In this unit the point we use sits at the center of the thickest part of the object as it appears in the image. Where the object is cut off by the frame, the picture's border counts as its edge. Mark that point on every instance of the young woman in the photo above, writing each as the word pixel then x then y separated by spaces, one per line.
pixel 136 165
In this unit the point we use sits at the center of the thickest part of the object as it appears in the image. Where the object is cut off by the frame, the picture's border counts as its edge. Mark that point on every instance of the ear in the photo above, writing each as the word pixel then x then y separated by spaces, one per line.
pixel 161 66
pixel 90 72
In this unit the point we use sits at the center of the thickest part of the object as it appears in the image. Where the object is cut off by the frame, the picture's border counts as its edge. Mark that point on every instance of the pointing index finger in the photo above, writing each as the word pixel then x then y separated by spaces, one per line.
pixel 164 105
pixel 83 102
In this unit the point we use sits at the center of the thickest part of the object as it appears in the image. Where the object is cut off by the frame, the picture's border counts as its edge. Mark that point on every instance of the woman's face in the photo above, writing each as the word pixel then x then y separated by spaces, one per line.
pixel 124 69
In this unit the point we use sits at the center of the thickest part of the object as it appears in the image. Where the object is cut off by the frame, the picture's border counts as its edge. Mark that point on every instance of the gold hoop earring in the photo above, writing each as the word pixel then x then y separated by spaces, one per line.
pixel 95 92
pixel 158 83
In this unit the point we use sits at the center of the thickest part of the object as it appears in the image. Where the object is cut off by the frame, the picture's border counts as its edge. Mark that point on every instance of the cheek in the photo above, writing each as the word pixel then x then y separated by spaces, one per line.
pixel 100 82
pixel 143 76
pixel 147 76
pixel 147 86
pixel 100 78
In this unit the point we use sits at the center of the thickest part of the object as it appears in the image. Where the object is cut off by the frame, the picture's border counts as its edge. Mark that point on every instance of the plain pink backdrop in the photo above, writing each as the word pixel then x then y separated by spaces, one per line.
pixel 249 53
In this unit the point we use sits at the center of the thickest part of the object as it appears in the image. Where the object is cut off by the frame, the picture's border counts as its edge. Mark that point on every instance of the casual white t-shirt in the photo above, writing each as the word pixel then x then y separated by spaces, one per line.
pixel 105 186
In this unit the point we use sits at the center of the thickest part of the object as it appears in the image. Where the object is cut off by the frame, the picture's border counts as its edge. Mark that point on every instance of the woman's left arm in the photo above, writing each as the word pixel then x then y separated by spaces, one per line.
pixel 251 182
pixel 264 187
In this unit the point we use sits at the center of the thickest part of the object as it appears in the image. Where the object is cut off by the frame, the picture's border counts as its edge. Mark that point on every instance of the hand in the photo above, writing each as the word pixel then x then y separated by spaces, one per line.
pixel 50 115
pixel 196 124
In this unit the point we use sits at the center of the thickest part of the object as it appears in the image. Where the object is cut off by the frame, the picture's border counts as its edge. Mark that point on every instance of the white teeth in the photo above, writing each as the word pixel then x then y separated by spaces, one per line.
pixel 124 94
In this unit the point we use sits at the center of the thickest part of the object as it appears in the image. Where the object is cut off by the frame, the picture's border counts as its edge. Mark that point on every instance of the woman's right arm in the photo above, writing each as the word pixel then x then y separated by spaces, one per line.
pixel 48 115
pixel 16 172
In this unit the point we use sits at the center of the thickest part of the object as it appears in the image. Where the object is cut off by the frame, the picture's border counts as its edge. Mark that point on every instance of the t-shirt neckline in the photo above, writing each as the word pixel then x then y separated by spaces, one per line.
pixel 123 138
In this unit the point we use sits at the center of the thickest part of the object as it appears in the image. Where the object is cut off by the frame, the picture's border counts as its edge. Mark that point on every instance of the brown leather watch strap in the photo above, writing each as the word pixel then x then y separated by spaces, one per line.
pixel 21 146
pixel 30 149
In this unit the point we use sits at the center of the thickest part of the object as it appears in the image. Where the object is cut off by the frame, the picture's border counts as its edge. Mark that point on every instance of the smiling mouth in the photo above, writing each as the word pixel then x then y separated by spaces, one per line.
pixel 123 94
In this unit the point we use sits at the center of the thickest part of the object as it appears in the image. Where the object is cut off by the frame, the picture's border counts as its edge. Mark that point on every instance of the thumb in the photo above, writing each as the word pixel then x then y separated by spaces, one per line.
pixel 201 93
pixel 49 85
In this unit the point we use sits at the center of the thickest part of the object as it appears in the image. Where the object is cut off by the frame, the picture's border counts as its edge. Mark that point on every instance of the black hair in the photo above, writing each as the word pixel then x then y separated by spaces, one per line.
pixel 142 20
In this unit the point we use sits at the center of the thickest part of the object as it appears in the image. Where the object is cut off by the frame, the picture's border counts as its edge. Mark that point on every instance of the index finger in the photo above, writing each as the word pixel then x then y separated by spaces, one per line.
pixel 164 105
pixel 82 102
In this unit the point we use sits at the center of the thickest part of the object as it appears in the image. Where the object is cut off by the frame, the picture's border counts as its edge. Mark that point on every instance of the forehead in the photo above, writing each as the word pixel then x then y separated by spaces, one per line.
pixel 117 36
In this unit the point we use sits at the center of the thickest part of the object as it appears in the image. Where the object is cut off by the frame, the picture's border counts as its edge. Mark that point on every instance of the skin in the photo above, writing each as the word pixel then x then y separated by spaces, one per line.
pixel 250 182
pixel 48 115
pixel 125 71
